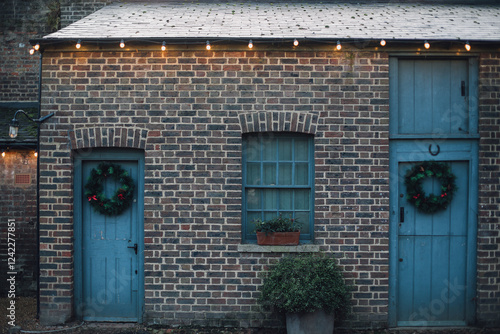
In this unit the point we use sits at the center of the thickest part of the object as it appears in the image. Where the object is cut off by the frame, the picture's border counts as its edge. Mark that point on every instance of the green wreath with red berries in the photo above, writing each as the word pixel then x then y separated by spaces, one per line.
pixel 94 189
pixel 415 193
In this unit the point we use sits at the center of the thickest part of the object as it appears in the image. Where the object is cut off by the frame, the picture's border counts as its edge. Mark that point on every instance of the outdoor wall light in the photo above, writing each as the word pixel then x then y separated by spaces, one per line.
pixel 427 45
pixel 208 46
pixel 163 46
pixel 122 43
pixel 383 42
pixel 78 44
pixel 467 46
pixel 250 44
pixel 295 42
pixel 14 124
pixel 339 46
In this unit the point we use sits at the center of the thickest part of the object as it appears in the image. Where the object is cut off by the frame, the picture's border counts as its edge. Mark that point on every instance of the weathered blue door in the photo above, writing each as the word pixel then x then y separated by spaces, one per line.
pixel 433 116
pixel 432 260
pixel 110 261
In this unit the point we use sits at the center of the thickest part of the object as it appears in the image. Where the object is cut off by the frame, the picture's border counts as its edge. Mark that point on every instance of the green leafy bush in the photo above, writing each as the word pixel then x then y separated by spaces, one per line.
pixel 278 224
pixel 306 283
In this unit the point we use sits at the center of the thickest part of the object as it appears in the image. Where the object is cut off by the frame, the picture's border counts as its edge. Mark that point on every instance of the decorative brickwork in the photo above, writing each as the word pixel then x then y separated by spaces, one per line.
pixel 188 110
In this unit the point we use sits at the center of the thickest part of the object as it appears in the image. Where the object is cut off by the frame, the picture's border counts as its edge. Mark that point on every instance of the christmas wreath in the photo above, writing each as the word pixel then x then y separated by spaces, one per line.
pixel 94 189
pixel 415 192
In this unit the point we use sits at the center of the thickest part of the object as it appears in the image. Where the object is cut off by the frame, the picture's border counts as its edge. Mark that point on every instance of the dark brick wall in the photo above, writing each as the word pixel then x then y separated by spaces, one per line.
pixel 191 108
pixel 72 11
pixel 18 202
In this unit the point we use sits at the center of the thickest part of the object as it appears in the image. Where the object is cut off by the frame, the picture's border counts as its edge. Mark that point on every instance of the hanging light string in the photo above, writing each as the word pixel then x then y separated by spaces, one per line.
pixel 209 44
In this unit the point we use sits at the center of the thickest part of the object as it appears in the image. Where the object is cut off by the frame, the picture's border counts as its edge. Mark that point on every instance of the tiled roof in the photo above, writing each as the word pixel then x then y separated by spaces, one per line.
pixel 289 19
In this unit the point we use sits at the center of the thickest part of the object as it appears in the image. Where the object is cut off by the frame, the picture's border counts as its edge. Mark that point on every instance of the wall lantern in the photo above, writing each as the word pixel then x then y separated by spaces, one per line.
pixel 14 124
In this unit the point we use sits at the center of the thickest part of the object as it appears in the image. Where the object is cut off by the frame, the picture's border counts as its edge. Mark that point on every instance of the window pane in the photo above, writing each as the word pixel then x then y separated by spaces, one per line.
pixel 303 218
pixel 285 174
pixel 269 149
pixel 301 149
pixel 301 174
pixel 253 149
pixel 302 199
pixel 286 199
pixel 269 174
pixel 270 199
pixel 253 199
pixel 253 173
pixel 252 216
pixel 285 149
pixel 270 215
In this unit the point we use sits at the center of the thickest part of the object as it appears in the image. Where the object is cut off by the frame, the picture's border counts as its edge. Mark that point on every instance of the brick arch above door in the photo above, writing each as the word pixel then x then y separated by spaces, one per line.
pixel 123 137
pixel 279 121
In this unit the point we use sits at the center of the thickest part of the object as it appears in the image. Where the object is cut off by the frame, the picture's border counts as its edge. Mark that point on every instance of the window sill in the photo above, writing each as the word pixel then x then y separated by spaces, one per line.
pixel 253 248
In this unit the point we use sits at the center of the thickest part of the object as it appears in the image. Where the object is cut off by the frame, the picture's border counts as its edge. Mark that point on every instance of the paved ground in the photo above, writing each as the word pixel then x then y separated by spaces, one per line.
pixel 26 323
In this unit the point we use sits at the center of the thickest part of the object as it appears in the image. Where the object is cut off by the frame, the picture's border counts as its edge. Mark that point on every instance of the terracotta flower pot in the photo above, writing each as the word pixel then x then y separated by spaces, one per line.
pixel 278 238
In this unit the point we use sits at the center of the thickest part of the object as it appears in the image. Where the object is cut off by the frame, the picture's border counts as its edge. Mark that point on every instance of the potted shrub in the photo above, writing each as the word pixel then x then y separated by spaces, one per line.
pixel 278 231
pixel 310 290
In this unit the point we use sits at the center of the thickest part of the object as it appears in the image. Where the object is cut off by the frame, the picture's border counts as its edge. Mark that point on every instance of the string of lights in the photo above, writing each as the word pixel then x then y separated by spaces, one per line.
pixel 163 45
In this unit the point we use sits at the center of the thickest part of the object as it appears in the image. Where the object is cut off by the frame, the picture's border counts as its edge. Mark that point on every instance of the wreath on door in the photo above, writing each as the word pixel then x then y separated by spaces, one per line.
pixel 415 193
pixel 94 189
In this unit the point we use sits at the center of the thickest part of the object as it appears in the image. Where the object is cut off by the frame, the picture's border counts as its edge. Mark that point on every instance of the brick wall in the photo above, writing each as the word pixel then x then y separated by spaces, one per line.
pixel 18 202
pixel 489 190
pixel 188 105
pixel 72 11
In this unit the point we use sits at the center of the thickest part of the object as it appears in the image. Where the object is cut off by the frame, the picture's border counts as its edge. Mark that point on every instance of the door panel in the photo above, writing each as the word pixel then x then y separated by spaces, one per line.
pixel 433 97
pixel 432 260
pixel 109 260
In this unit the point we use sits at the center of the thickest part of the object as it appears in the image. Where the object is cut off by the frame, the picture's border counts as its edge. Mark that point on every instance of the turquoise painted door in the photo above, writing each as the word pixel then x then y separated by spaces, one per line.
pixel 432 260
pixel 110 256
pixel 433 116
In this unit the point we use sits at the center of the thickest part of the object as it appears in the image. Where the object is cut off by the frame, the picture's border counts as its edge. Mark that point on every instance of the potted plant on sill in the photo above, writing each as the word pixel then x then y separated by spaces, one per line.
pixel 310 290
pixel 278 231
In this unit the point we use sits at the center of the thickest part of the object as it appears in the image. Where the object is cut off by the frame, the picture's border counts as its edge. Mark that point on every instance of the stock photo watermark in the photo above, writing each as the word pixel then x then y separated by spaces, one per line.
pixel 11 272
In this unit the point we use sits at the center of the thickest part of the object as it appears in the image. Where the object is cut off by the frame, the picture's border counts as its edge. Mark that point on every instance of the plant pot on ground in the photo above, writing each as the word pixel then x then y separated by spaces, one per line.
pixel 305 287
pixel 278 231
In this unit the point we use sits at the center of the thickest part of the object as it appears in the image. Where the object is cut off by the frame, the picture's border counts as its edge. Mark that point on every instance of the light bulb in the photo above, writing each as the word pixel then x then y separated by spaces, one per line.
pixel 295 42
pixel 163 46
pixel 208 46
pixel 250 44
pixel 383 42
pixel 3 154
pixel 37 46
pixel 467 46
pixel 122 43
pixel 78 44
pixel 32 51
pixel 35 154
pixel 339 46
pixel 427 45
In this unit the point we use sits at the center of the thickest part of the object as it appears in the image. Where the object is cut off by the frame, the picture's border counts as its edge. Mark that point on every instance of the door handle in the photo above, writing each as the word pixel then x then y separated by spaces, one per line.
pixel 462 87
pixel 134 247
pixel 401 214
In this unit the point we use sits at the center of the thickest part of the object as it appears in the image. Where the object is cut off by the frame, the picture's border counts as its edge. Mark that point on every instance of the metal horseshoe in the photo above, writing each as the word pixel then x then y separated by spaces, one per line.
pixel 434 154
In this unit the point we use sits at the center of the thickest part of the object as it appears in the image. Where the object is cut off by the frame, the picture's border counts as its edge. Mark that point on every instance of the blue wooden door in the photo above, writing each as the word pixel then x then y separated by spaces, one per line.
pixel 432 259
pixel 110 256
pixel 433 116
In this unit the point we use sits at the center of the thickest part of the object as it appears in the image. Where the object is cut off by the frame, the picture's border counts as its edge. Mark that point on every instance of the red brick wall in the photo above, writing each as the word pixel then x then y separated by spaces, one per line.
pixel 187 106
pixel 488 263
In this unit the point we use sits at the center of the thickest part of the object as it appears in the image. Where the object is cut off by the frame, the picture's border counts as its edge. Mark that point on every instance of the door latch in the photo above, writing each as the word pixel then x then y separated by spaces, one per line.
pixel 134 247
pixel 402 214
pixel 462 87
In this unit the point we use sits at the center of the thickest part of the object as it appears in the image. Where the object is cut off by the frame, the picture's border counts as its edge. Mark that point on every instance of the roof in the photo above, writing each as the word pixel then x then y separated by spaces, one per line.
pixel 202 19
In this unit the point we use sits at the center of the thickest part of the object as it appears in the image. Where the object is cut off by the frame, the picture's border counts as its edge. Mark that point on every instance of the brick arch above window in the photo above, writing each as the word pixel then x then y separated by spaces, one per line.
pixel 279 121
pixel 108 137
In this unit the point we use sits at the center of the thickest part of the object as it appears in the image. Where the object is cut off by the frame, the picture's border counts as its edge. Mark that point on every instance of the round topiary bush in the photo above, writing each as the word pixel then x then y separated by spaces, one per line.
pixel 306 283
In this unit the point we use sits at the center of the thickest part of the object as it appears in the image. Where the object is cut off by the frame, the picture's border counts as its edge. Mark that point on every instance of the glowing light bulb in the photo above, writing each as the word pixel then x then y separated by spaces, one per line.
pixel 78 44
pixel 339 46
pixel 163 46
pixel 383 42
pixel 250 44
pixel 122 43
pixel 35 154
pixel 295 42
pixel 32 51
pixel 467 46
pixel 37 46
pixel 427 45
pixel 3 154
pixel 208 46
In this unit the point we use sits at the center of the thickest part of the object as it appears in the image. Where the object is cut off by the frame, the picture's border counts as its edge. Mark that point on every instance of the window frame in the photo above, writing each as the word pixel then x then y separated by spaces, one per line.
pixel 252 237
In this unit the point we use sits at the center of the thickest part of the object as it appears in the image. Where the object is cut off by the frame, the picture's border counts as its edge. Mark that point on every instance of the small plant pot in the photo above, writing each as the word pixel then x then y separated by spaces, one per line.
pixel 278 238
pixel 318 322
